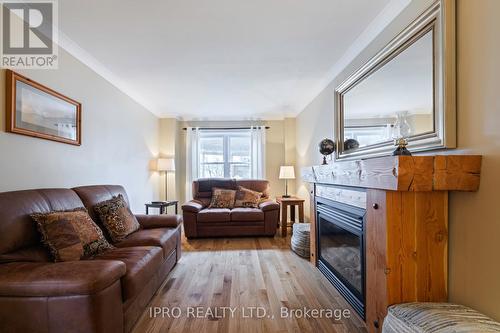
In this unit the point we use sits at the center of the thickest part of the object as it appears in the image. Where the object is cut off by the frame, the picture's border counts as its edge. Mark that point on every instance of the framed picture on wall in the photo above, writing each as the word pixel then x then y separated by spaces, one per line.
pixel 38 111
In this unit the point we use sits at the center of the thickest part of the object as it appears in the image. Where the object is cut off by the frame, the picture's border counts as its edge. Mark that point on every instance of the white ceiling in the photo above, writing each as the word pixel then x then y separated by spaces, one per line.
pixel 221 59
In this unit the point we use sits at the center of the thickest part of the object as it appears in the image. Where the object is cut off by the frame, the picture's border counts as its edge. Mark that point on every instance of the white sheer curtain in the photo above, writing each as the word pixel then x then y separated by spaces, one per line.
pixel 258 153
pixel 193 134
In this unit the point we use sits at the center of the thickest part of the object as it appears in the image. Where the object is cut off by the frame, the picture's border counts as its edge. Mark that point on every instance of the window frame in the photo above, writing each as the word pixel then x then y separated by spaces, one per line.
pixel 226 136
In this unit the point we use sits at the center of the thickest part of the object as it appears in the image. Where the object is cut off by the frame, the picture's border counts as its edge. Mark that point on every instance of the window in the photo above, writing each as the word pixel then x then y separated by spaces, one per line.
pixel 225 154
pixel 367 134
pixel 229 153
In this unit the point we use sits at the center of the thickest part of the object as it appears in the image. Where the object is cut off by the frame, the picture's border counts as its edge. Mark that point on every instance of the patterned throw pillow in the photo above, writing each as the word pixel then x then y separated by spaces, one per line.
pixel 117 218
pixel 247 198
pixel 71 235
pixel 222 198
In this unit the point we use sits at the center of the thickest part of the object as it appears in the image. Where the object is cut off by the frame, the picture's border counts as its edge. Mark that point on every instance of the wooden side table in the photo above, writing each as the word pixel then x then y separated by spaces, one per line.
pixel 162 206
pixel 290 202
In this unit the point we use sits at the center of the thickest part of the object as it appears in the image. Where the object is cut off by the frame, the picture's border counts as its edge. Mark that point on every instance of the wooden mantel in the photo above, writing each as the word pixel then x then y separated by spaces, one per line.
pixel 406 222
pixel 402 173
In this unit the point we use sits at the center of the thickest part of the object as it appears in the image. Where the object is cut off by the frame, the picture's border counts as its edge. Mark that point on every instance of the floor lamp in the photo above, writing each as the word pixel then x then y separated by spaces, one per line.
pixel 166 165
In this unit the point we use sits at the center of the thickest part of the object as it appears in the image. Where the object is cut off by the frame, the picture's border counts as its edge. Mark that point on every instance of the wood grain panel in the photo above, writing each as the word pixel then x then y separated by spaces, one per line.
pixel 376 279
pixel 457 172
pixel 417 229
pixel 312 218
pixel 401 246
pixel 415 173
pixel 406 250
pixel 431 216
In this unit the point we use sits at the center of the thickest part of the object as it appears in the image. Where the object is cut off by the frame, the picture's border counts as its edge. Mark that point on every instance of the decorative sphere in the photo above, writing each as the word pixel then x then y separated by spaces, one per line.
pixel 326 147
pixel 351 144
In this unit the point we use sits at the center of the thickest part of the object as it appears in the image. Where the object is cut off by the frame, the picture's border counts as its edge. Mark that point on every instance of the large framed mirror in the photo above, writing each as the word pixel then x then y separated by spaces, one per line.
pixel 406 90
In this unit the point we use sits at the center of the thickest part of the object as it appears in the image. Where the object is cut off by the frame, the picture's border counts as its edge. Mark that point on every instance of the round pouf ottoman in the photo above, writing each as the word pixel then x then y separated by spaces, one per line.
pixel 300 242
pixel 436 318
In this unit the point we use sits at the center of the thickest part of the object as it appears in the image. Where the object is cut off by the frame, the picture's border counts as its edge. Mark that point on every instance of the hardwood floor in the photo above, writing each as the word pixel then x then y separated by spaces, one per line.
pixel 225 278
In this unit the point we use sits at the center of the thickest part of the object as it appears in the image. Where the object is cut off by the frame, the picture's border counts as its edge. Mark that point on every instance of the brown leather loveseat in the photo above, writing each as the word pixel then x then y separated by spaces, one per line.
pixel 105 294
pixel 201 221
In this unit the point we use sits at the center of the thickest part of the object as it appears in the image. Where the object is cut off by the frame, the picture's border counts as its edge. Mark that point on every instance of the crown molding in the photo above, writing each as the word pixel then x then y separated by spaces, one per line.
pixel 87 59
pixel 230 118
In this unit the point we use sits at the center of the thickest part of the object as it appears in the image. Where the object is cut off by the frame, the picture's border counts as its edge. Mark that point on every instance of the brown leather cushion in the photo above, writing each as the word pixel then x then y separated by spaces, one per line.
pixel 269 205
pixel 214 215
pixel 208 184
pixel 193 206
pixel 117 218
pixel 205 202
pixel 142 263
pixel 82 277
pixel 28 254
pixel 166 238
pixel 159 221
pixel 247 214
pixel 91 236
pixel 92 195
pixel 17 230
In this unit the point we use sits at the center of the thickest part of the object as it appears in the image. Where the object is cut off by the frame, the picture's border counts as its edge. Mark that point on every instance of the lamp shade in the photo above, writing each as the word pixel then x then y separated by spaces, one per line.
pixel 166 164
pixel 287 172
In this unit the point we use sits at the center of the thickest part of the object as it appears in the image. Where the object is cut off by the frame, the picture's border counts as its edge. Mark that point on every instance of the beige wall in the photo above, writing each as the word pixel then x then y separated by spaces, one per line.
pixel 314 124
pixel 475 218
pixel 290 143
pixel 474 272
pixel 169 147
pixel 119 139
pixel 316 121
pixel 280 148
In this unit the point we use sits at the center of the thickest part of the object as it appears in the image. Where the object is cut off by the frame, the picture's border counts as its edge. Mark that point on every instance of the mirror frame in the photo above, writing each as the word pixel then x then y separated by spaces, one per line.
pixel 440 18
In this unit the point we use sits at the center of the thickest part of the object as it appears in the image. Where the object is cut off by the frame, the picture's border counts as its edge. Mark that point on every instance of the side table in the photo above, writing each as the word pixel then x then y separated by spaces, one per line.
pixel 291 202
pixel 162 206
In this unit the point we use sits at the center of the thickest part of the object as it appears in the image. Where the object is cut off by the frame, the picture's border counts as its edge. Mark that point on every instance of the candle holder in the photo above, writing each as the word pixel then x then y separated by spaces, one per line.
pixel 401 149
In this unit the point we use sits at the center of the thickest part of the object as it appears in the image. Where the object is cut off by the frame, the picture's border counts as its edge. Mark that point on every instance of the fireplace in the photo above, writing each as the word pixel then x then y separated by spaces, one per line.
pixel 341 248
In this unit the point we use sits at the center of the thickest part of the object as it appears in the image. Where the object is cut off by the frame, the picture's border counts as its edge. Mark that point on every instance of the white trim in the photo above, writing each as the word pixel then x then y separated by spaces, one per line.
pixel 229 118
pixel 87 59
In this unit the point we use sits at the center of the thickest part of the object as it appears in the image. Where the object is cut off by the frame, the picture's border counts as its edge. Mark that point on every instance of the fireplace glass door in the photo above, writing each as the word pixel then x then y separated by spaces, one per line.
pixel 341 249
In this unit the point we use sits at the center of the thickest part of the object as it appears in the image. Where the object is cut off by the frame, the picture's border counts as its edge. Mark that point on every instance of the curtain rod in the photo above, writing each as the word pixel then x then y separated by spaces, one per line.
pixel 227 128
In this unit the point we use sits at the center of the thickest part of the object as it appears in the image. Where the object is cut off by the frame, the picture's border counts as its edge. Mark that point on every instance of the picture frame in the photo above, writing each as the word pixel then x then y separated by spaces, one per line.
pixel 35 110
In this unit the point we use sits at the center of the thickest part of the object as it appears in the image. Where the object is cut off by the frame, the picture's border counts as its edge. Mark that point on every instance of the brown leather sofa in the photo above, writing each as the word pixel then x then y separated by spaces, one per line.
pixel 201 221
pixel 105 294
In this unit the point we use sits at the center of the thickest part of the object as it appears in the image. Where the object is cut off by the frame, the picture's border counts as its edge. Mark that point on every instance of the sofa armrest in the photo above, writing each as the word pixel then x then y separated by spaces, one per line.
pixel 47 279
pixel 269 205
pixel 159 221
pixel 192 206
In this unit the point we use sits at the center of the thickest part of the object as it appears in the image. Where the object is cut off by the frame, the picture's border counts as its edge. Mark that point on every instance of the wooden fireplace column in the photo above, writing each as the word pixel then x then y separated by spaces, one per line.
pixel 406 229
